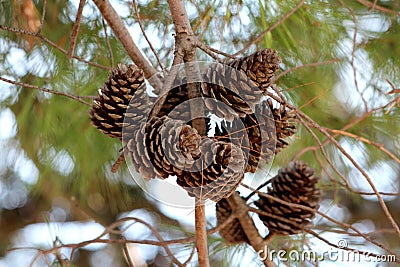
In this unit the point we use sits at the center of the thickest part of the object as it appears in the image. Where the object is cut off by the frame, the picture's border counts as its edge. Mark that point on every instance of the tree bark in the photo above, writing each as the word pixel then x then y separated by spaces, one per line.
pixel 122 33
pixel 186 41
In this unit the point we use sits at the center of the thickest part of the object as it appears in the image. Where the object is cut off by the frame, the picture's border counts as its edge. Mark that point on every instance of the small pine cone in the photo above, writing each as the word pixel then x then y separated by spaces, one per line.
pixel 283 124
pixel 259 67
pixel 217 173
pixel 113 108
pixel 233 233
pixel 295 184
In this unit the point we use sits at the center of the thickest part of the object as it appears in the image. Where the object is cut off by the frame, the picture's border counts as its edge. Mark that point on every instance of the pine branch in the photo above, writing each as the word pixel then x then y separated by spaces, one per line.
pixel 186 41
pixel 75 30
pixel 379 8
pixel 74 97
pixel 240 209
pixel 51 43
pixel 122 33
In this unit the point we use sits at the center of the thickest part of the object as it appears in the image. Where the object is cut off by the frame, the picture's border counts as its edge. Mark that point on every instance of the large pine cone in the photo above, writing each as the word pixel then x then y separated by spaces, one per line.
pixel 295 184
pixel 164 147
pixel 217 173
pixel 114 108
pixel 233 233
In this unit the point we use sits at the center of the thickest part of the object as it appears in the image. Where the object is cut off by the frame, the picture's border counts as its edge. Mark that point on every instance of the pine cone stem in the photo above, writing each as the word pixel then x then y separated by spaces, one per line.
pixel 240 209
pixel 201 232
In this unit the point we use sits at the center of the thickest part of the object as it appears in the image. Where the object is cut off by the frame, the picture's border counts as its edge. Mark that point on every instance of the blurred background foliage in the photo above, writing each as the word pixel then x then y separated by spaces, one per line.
pixel 51 158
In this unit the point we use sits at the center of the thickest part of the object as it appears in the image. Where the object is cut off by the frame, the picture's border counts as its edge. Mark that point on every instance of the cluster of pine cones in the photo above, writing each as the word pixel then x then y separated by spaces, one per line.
pixel 252 132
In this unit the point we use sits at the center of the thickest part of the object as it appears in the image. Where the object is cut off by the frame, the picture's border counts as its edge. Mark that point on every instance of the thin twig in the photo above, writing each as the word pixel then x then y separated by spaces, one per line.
pixel 74 97
pixel 43 16
pixel 373 6
pixel 314 64
pixel 118 162
pixel 127 255
pixel 145 36
pixel 276 24
pixel 377 7
pixel 258 188
pixel 393 91
pixel 346 127
pixel 75 29
pixel 358 167
pixel 353 52
pixel 110 52
pixel 367 141
pixel 51 43
pixel 186 263
pixel 210 51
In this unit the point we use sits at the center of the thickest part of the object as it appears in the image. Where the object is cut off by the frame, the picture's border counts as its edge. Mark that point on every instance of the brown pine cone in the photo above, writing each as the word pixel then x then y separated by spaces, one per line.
pixel 172 104
pixel 229 93
pixel 163 147
pixel 261 135
pixel 295 184
pixel 122 101
pixel 260 67
pixel 233 88
pixel 217 172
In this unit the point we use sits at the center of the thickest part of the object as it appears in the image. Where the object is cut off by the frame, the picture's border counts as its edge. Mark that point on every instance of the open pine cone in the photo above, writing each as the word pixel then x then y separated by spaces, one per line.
pixel 260 67
pixel 114 108
pixel 234 87
pixel 217 172
pixel 295 184
pixel 164 147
